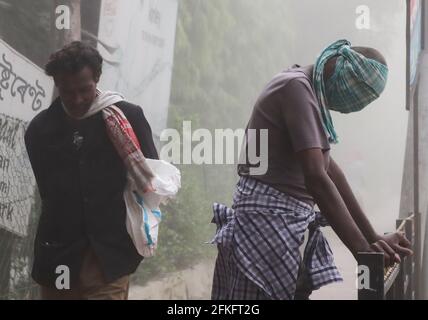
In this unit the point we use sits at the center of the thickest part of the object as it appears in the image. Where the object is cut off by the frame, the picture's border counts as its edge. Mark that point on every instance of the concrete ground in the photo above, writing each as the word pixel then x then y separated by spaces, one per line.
pixel 195 283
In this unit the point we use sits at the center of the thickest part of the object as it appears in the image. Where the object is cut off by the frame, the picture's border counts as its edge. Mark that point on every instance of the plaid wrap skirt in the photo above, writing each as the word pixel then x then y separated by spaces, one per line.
pixel 258 242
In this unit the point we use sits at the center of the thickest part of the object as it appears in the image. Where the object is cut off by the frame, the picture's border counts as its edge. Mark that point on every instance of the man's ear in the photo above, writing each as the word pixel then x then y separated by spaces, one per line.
pixel 97 78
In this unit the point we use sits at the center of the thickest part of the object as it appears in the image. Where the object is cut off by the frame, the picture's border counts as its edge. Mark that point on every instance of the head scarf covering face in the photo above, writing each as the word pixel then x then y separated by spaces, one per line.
pixel 356 82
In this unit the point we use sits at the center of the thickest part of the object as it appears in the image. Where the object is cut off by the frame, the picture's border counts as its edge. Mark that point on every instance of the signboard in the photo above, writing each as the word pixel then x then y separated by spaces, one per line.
pixel 414 45
pixel 137 39
pixel 24 91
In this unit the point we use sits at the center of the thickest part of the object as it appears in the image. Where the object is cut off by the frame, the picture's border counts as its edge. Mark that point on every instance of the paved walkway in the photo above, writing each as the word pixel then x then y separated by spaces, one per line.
pixel 195 283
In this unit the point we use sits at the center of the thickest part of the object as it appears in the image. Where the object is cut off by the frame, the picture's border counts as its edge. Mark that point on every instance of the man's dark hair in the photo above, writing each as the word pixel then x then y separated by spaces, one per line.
pixel 73 58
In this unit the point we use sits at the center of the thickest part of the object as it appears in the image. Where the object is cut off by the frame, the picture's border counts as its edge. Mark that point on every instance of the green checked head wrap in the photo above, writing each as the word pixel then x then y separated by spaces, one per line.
pixel 356 82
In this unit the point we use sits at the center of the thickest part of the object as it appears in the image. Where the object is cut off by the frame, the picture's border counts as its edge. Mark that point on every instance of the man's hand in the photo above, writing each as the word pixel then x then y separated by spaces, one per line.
pixel 393 245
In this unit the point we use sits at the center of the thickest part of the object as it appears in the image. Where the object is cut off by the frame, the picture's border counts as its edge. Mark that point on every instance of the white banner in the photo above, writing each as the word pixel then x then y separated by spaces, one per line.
pixel 137 42
pixel 24 88
pixel 17 181
pixel 24 91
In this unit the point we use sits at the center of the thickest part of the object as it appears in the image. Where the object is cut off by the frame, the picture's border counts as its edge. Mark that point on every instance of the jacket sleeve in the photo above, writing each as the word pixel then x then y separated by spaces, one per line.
pixel 32 144
pixel 144 134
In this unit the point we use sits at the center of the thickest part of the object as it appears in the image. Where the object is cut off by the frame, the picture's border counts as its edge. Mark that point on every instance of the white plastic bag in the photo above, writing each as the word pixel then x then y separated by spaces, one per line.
pixel 142 210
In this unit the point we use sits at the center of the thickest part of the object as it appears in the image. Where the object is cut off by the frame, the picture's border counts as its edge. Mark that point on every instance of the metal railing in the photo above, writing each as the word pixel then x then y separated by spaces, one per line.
pixel 398 282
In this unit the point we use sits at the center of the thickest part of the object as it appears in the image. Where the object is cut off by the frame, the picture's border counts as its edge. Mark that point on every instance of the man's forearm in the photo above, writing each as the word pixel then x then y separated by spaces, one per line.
pixel 335 210
pixel 342 185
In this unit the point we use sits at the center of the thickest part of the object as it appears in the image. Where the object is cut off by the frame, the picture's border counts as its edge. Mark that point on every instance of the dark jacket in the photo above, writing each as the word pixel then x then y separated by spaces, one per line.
pixel 82 193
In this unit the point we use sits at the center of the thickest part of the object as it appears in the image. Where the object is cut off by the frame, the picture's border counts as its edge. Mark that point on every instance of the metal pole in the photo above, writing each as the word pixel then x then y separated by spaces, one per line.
pixel 75 26
pixel 416 153
pixel 416 207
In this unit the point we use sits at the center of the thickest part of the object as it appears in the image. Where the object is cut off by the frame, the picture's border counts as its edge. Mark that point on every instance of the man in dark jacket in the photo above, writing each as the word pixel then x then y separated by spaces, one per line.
pixel 82 249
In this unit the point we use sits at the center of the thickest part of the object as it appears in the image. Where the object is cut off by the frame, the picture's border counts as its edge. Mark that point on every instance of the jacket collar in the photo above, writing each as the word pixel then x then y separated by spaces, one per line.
pixel 55 118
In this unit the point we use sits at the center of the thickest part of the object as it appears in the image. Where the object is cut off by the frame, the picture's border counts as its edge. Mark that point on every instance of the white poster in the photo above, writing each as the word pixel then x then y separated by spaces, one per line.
pixel 24 88
pixel 137 40
pixel 24 91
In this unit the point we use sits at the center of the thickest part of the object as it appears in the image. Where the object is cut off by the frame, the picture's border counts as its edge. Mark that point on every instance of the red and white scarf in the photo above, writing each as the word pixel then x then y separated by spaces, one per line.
pixel 123 138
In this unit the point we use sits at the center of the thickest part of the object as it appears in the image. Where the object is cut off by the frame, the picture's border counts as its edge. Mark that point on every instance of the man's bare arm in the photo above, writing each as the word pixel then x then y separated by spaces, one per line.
pixel 330 202
pixel 342 185
pixel 389 243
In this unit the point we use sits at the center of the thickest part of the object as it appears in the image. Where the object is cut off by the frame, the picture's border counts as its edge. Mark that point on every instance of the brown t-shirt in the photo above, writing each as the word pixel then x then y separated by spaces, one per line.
pixel 288 108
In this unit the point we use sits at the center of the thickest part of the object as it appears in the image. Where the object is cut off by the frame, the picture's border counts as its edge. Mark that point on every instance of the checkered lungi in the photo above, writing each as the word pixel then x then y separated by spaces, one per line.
pixel 258 242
